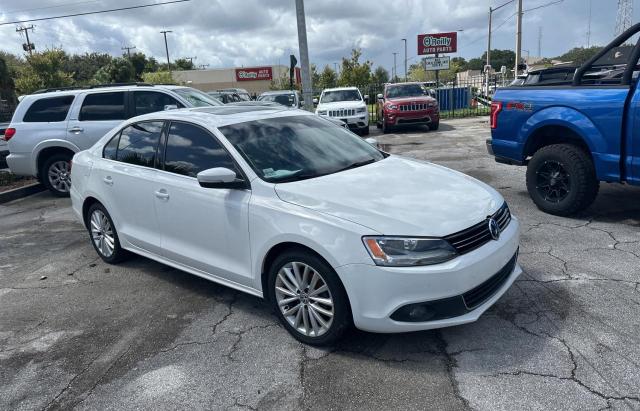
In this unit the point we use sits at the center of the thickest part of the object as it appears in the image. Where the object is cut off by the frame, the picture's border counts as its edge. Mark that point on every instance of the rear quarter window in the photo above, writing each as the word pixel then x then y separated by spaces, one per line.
pixel 48 110
pixel 103 106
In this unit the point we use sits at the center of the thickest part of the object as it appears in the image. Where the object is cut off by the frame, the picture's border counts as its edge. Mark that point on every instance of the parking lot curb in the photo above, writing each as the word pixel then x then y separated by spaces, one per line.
pixel 21 192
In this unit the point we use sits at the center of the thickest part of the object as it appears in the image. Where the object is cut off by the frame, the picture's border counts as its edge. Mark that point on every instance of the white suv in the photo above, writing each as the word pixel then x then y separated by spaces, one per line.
pixel 50 126
pixel 347 105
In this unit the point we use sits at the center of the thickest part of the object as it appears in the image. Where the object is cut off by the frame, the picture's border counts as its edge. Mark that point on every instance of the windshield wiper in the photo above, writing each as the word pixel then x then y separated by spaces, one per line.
pixel 357 164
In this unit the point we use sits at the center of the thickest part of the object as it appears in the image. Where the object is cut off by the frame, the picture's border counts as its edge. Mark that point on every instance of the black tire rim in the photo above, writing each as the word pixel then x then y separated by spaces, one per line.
pixel 552 181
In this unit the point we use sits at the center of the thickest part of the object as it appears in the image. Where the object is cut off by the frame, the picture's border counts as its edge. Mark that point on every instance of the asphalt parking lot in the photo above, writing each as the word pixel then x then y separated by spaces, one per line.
pixel 76 332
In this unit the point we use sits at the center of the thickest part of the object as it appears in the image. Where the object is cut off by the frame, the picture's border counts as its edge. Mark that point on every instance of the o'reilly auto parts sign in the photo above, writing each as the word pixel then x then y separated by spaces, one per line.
pixel 437 43
pixel 437 63
pixel 254 73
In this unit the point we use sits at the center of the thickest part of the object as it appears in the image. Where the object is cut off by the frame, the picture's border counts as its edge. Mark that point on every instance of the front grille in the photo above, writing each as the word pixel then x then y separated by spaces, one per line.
pixel 477 296
pixel 412 107
pixel 474 237
pixel 342 112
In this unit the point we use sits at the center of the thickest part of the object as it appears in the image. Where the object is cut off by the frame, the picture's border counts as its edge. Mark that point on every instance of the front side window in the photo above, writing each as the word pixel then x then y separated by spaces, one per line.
pixel 48 110
pixel 191 149
pixel 340 95
pixel 138 143
pixel 102 107
pixel 284 99
pixel 298 147
pixel 195 97
pixel 152 101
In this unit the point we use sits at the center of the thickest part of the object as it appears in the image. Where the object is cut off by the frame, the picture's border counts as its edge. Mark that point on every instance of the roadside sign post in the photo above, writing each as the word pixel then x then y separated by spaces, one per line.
pixel 436 44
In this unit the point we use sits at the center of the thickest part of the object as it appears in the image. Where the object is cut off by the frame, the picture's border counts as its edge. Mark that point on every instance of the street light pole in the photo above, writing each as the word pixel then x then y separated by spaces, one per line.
pixel 395 69
pixel 166 48
pixel 405 60
pixel 307 92
pixel 518 38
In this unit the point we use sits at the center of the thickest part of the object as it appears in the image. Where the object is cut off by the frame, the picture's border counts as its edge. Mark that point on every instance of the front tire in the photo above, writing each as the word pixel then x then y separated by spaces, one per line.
pixel 103 235
pixel 434 126
pixel 56 174
pixel 365 131
pixel 385 127
pixel 561 179
pixel 308 298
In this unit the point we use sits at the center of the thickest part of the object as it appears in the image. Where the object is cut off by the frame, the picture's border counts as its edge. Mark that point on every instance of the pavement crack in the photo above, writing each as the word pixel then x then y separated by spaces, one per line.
pixel 451 364
pixel 53 402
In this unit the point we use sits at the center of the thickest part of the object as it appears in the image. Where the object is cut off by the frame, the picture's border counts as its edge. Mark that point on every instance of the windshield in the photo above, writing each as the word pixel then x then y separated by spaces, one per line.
pixel 340 95
pixel 295 148
pixel 196 97
pixel 284 99
pixel 407 90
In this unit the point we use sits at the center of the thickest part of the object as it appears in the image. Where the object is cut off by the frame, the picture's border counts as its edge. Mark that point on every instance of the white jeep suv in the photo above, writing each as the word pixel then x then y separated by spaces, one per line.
pixel 50 126
pixel 345 104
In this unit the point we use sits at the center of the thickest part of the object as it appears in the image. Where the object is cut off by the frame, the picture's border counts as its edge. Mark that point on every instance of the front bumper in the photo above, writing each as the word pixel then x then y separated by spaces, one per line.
pixel 376 293
pixel 397 118
pixel 359 121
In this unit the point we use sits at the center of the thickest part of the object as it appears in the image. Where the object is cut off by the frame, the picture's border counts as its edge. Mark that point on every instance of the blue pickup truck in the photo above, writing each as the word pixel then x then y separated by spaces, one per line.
pixel 573 130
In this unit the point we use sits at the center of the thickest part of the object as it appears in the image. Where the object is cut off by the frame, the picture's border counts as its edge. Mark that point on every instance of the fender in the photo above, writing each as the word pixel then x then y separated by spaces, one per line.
pixel 46 144
pixel 570 118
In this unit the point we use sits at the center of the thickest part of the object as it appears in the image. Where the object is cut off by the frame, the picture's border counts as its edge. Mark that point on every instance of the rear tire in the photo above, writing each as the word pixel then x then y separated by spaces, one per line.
pixel 55 173
pixel 103 235
pixel 295 279
pixel 561 179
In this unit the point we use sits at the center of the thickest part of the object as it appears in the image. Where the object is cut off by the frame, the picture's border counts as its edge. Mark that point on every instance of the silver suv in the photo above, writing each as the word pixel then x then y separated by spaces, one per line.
pixel 50 126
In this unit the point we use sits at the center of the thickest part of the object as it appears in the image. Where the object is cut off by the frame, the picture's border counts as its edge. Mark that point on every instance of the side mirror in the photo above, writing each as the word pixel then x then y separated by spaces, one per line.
pixel 372 141
pixel 170 107
pixel 315 101
pixel 219 177
pixel 380 97
pixel 366 98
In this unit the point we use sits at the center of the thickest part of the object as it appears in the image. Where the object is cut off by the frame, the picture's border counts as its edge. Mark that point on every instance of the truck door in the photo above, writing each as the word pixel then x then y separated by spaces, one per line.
pixel 632 138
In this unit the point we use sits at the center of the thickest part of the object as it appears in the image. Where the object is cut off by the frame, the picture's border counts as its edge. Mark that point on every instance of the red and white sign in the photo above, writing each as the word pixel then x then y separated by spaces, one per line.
pixel 437 43
pixel 254 73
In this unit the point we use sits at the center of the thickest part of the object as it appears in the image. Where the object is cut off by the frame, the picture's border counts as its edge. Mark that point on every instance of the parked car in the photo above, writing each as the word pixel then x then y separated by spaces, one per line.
pixel 404 104
pixel 287 206
pixel 573 133
pixel 50 126
pixel 225 97
pixel 242 93
pixel 289 98
pixel 347 105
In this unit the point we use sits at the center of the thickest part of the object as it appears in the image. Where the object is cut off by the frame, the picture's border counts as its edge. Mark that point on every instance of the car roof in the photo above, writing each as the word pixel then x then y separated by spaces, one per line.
pixel 218 116
pixel 72 91
pixel 339 89
pixel 276 92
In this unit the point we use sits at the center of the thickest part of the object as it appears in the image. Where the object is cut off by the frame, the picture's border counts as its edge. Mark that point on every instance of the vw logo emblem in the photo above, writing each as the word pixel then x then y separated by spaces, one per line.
pixel 494 229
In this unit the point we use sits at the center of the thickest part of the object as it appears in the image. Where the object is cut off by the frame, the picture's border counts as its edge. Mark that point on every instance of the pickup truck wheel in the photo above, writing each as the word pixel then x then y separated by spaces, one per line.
pixel 55 173
pixel 561 179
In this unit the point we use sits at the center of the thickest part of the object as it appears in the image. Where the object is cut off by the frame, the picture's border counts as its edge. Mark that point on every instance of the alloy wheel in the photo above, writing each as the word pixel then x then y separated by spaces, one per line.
pixel 60 176
pixel 304 299
pixel 102 233
pixel 552 181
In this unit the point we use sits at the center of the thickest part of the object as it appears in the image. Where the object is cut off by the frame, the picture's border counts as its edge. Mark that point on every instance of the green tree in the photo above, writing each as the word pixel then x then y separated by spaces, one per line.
pixel 353 72
pixel 499 58
pixel 7 85
pixel 119 70
pixel 417 72
pixel 327 79
pixel 184 64
pixel 43 70
pixel 158 77
pixel 139 62
pixel 83 67
pixel 380 76
pixel 579 55
pixel 151 65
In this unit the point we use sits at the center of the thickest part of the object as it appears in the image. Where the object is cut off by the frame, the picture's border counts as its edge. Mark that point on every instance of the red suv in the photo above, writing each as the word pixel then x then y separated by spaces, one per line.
pixel 407 103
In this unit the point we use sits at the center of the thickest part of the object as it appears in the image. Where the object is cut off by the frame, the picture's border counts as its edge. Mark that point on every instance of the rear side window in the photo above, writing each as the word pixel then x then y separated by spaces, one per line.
pixel 152 101
pixel 103 106
pixel 138 143
pixel 191 149
pixel 48 110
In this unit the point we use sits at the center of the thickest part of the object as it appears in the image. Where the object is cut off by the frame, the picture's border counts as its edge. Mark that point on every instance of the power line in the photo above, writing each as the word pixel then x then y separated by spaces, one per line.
pixel 94 12
pixel 50 7
pixel 551 3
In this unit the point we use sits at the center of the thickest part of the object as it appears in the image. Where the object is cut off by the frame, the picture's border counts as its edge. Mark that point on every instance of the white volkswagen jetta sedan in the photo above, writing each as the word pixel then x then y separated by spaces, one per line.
pixel 287 206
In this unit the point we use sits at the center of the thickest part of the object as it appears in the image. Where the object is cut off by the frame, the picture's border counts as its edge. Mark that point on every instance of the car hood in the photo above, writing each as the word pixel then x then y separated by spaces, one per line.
pixel 341 104
pixel 422 99
pixel 398 196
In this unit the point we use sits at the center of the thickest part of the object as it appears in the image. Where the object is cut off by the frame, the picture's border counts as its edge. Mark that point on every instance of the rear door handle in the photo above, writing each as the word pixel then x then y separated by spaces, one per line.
pixel 76 129
pixel 108 180
pixel 162 194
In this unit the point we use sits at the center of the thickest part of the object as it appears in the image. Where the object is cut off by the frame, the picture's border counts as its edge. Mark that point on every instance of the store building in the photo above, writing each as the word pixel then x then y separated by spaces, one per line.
pixel 253 79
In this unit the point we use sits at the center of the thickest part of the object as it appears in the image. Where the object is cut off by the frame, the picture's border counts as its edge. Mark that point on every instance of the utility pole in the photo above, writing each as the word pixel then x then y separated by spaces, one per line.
pixel 589 26
pixel 487 68
pixel 28 46
pixel 190 60
pixel 128 48
pixel 166 48
pixel 395 69
pixel 307 92
pixel 540 41
pixel 518 37
pixel 405 60
pixel 335 68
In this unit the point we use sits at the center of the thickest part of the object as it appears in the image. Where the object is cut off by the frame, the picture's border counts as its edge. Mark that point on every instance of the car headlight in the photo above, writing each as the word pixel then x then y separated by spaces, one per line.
pixel 392 106
pixel 407 252
pixel 361 110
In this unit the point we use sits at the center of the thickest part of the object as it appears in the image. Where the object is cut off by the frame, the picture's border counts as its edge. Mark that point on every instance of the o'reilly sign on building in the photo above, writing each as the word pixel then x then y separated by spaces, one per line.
pixel 437 43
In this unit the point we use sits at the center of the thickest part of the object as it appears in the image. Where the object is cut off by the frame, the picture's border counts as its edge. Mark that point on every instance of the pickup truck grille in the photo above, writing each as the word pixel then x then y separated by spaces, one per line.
pixel 342 112
pixel 474 237
pixel 412 107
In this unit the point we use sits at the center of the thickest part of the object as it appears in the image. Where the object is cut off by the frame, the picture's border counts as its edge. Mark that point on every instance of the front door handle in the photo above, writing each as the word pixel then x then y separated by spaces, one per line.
pixel 162 194
pixel 76 129
pixel 108 180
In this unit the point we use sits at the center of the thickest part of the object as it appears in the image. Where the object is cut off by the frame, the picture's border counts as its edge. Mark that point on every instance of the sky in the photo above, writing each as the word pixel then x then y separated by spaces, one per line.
pixel 229 33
